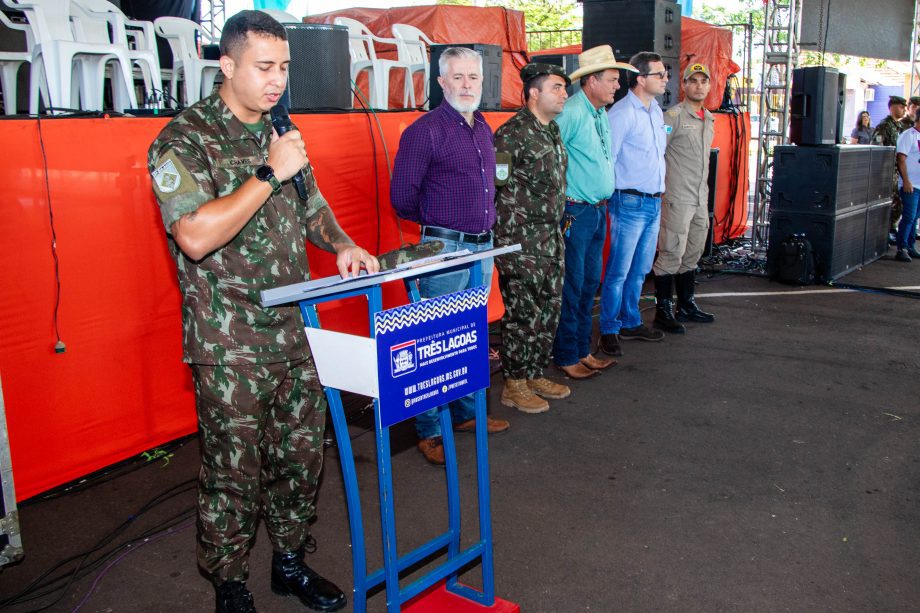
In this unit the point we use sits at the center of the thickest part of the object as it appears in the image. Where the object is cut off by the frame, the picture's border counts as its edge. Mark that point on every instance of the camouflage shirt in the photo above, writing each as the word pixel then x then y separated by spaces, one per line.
pixel 887 132
pixel 205 153
pixel 530 205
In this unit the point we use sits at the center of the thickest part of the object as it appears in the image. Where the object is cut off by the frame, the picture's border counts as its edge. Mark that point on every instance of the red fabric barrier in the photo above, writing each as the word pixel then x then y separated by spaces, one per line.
pixel 447 24
pixel 732 138
pixel 120 387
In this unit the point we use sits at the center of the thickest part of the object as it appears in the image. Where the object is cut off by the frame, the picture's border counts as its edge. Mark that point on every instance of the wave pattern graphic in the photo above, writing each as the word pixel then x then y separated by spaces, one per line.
pixel 427 310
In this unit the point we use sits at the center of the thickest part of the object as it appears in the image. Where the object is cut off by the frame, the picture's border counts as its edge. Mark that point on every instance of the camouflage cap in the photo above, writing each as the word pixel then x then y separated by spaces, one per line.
pixel 896 100
pixel 915 100
pixel 694 68
pixel 538 69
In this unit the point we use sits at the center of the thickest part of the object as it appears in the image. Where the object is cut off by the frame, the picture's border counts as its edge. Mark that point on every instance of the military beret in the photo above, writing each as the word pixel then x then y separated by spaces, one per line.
pixel 915 100
pixel 538 69
pixel 896 100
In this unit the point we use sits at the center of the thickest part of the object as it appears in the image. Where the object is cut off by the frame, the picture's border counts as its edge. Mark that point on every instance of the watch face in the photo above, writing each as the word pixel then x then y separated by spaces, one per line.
pixel 264 173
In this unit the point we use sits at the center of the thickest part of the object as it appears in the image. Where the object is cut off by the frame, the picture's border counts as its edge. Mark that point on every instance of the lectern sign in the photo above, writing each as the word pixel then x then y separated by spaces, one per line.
pixel 431 352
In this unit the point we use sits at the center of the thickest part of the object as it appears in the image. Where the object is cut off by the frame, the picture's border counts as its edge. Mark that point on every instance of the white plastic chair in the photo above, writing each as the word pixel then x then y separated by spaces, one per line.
pixel 102 21
pixel 56 54
pixel 197 75
pixel 364 57
pixel 410 47
pixel 281 16
pixel 10 63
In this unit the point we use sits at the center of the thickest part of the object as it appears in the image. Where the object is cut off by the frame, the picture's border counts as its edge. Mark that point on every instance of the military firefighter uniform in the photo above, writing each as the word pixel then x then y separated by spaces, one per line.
pixel 260 406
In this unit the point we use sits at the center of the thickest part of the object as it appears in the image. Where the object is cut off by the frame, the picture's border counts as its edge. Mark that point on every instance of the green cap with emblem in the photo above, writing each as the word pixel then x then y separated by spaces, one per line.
pixel 896 100
pixel 539 69
pixel 915 100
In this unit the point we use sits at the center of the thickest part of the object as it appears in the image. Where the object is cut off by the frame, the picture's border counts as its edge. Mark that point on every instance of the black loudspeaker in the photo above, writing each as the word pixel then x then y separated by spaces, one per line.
pixel 491 75
pixel 631 26
pixel 319 74
pixel 816 105
pixel 838 241
pixel 827 180
pixel 712 182
pixel 880 173
pixel 569 63
pixel 837 197
pixel 878 221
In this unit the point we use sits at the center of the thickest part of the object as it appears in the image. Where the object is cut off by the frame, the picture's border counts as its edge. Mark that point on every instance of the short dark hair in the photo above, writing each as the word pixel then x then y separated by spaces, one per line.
pixel 584 80
pixel 536 82
pixel 641 62
pixel 235 30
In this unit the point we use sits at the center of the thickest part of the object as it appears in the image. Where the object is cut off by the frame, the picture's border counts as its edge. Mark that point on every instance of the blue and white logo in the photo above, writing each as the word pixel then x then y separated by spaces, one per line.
pixel 403 358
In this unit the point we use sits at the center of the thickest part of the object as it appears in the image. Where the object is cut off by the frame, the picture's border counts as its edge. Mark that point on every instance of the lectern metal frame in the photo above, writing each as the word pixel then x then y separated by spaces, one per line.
pixel 308 295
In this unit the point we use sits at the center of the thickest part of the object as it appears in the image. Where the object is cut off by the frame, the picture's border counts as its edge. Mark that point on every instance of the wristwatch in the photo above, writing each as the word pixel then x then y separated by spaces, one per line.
pixel 266 173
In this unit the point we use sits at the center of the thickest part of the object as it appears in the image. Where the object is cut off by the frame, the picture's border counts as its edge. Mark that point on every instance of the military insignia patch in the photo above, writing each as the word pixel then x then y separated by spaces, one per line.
pixel 501 172
pixel 167 177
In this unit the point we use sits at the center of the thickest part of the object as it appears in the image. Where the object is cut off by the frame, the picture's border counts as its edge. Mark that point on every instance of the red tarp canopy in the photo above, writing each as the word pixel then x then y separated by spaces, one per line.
pixel 445 24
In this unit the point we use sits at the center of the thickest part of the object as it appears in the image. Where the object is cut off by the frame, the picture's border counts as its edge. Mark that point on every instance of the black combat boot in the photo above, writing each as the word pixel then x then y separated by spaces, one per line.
pixel 291 576
pixel 686 305
pixel 233 597
pixel 664 305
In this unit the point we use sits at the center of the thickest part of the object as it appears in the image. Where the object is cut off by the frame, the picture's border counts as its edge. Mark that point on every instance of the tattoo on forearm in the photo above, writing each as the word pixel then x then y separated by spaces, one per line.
pixel 324 231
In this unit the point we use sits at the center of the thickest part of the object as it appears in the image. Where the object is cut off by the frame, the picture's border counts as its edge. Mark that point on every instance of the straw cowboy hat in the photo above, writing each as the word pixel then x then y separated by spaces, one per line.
pixel 597 59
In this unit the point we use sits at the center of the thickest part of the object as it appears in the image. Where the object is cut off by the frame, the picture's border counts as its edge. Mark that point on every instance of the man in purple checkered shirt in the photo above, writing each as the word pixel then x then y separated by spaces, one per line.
pixel 444 180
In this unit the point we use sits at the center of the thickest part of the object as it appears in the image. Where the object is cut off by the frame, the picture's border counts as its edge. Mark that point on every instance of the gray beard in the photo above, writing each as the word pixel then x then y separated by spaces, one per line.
pixel 464 108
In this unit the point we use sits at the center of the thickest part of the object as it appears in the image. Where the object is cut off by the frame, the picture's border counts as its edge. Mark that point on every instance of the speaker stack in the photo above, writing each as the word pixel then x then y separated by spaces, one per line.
pixel 319 76
pixel 631 26
pixel 817 106
pixel 491 75
pixel 837 197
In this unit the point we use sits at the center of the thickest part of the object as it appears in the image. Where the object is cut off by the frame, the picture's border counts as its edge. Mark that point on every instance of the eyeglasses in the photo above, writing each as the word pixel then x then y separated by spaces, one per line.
pixel 661 74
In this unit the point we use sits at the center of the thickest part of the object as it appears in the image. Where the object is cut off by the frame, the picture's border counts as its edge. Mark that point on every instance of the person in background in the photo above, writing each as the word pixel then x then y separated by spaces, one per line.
pixel 908 160
pixel 530 201
pixel 444 180
pixel 886 134
pixel 862 133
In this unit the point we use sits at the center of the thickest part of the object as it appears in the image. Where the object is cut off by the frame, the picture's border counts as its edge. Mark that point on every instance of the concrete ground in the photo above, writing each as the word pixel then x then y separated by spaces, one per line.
pixel 767 462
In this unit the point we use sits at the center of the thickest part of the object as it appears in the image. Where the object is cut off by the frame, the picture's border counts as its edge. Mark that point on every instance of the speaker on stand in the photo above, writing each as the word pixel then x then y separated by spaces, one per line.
pixel 319 76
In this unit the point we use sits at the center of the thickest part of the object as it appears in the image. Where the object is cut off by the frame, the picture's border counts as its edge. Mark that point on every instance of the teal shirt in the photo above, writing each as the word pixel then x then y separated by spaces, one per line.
pixel 586 136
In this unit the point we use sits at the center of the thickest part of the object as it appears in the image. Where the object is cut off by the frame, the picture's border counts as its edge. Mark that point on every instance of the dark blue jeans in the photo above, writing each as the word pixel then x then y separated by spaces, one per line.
pixel 463 409
pixel 908 223
pixel 634 222
pixel 584 244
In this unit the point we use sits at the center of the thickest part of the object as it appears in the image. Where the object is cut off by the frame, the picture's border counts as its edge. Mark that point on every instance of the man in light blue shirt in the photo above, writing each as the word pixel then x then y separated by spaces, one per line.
pixel 637 145
pixel 589 182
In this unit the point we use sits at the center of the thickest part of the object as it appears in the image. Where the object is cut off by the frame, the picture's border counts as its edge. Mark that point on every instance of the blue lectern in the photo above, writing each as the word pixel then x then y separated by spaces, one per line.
pixel 418 356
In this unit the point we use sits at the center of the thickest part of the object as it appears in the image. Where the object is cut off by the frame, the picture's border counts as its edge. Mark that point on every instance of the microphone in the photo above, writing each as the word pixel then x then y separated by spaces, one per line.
pixel 282 124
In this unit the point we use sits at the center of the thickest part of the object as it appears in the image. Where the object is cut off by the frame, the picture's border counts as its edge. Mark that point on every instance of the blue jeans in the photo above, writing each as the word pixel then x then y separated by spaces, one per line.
pixel 584 243
pixel 908 218
pixel 464 409
pixel 634 222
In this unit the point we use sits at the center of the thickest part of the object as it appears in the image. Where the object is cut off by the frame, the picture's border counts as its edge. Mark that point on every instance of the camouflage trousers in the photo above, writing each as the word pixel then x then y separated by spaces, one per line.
pixel 531 287
pixel 261 429
pixel 896 208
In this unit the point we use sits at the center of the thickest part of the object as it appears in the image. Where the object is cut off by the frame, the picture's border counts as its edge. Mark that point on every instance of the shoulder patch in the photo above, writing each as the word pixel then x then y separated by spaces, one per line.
pixel 502 167
pixel 171 177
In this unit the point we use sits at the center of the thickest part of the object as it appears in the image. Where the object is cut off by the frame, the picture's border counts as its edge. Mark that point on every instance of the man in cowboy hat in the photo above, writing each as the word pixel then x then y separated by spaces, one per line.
pixel 589 182
pixel 684 213
pixel 530 199
pixel 637 144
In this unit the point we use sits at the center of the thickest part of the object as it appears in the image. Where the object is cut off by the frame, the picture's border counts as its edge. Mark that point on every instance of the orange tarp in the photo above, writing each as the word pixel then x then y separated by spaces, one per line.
pixel 447 24
pixel 121 387
pixel 699 42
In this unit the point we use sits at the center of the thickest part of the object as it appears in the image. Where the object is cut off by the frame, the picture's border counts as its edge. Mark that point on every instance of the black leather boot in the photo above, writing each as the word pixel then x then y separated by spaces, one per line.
pixel 686 305
pixel 290 576
pixel 664 305
pixel 233 597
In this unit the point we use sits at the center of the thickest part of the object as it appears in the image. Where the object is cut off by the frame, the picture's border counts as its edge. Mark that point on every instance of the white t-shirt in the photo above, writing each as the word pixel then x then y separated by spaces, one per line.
pixel 909 145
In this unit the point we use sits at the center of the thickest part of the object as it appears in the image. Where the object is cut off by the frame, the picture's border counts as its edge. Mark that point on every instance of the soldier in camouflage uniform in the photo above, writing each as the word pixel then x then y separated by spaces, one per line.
pixel 236 226
pixel 886 133
pixel 529 203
